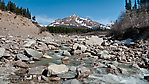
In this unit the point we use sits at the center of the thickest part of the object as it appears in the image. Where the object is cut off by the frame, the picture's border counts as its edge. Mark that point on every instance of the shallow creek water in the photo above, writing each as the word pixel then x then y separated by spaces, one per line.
pixel 99 76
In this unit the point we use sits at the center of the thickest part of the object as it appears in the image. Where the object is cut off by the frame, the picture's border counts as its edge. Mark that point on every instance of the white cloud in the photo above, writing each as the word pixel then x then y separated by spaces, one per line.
pixel 104 21
pixel 44 20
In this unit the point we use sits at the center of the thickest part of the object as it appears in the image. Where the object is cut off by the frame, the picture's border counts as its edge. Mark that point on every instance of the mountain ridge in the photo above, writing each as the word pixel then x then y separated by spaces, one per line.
pixel 75 21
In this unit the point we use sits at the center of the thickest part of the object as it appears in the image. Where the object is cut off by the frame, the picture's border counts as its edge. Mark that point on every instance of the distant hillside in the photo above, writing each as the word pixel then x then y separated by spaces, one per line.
pixel 16 25
pixel 75 21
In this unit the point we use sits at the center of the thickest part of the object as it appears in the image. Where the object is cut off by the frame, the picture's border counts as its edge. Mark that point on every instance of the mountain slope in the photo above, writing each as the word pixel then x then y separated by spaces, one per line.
pixel 75 21
pixel 16 25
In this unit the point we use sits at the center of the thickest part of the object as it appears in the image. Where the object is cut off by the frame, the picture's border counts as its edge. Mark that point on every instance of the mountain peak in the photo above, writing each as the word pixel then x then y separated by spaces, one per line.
pixel 75 21
pixel 74 15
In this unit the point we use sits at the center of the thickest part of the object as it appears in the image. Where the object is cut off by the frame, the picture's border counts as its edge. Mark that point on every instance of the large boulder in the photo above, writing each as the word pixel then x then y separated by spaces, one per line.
pixel 36 70
pixel 55 69
pixel 83 71
pixel 32 53
pixel 94 40
pixel 29 43
pixel 2 51
pixel 22 57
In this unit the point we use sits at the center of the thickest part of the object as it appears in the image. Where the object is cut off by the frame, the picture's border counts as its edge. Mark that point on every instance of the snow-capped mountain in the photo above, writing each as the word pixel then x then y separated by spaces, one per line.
pixel 75 21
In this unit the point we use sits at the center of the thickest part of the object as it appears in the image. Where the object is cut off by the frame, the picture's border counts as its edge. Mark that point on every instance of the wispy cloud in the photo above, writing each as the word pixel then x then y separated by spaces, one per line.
pixel 44 20
pixel 104 21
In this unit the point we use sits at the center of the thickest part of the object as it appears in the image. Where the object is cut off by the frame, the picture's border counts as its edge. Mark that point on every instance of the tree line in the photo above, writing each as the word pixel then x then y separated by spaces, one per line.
pixel 71 30
pixel 10 6
pixel 134 22
pixel 138 4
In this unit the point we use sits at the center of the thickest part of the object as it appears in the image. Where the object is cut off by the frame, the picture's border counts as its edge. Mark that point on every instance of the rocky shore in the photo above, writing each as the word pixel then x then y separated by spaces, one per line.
pixel 73 59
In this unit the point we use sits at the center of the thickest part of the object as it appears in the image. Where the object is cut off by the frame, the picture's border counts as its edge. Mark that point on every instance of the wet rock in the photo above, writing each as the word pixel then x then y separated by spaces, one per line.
pixel 53 43
pixel 76 52
pixel 75 46
pixel 32 53
pixel 22 57
pixel 73 68
pixel 55 78
pixel 47 56
pixel 2 51
pixel 68 75
pixel 94 40
pixel 36 70
pixel 146 77
pixel 51 47
pixel 83 71
pixel 47 39
pixel 124 71
pixel 66 53
pixel 127 41
pixel 55 69
pixel 73 81
pixel 45 78
pixel 21 64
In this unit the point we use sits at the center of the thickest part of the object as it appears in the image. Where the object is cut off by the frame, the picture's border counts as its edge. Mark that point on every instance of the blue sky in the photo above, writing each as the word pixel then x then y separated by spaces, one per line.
pixel 46 11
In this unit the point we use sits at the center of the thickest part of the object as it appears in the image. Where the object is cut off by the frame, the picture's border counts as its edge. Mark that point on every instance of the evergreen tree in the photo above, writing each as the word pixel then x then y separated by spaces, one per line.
pixel 126 3
pixel 129 5
pixel 34 18
pixel 135 6
pixel 28 14
pixel 3 7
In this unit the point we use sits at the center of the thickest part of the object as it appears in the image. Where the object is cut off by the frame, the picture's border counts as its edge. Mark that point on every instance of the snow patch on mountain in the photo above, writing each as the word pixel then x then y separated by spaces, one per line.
pixel 75 21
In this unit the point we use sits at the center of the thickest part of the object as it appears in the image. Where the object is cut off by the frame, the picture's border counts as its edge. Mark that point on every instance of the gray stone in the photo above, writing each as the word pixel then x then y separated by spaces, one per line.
pixel 55 69
pixel 73 81
pixel 75 46
pixel 29 43
pixel 33 53
pixel 36 70
pixel 94 40
pixel 68 75
pixel 53 43
pixel 83 48
pixel 51 47
pixel 83 71
pixel 73 68
pixel 66 53
pixel 47 39
pixel 21 64
pixel 2 51
pixel 45 78
pixel 4 71
pixel 22 57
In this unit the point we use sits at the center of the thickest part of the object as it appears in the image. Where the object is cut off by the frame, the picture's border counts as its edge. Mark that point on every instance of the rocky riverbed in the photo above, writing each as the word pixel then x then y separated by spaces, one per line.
pixel 73 60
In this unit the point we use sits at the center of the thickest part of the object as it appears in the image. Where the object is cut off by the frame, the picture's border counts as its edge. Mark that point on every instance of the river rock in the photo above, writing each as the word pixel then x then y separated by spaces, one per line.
pixel 94 40
pixel 73 81
pixel 66 53
pixel 83 71
pixel 36 70
pixel 47 39
pixel 21 64
pixel 22 57
pixel 32 53
pixel 2 51
pixel 29 43
pixel 68 75
pixel 55 69
pixel 146 77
